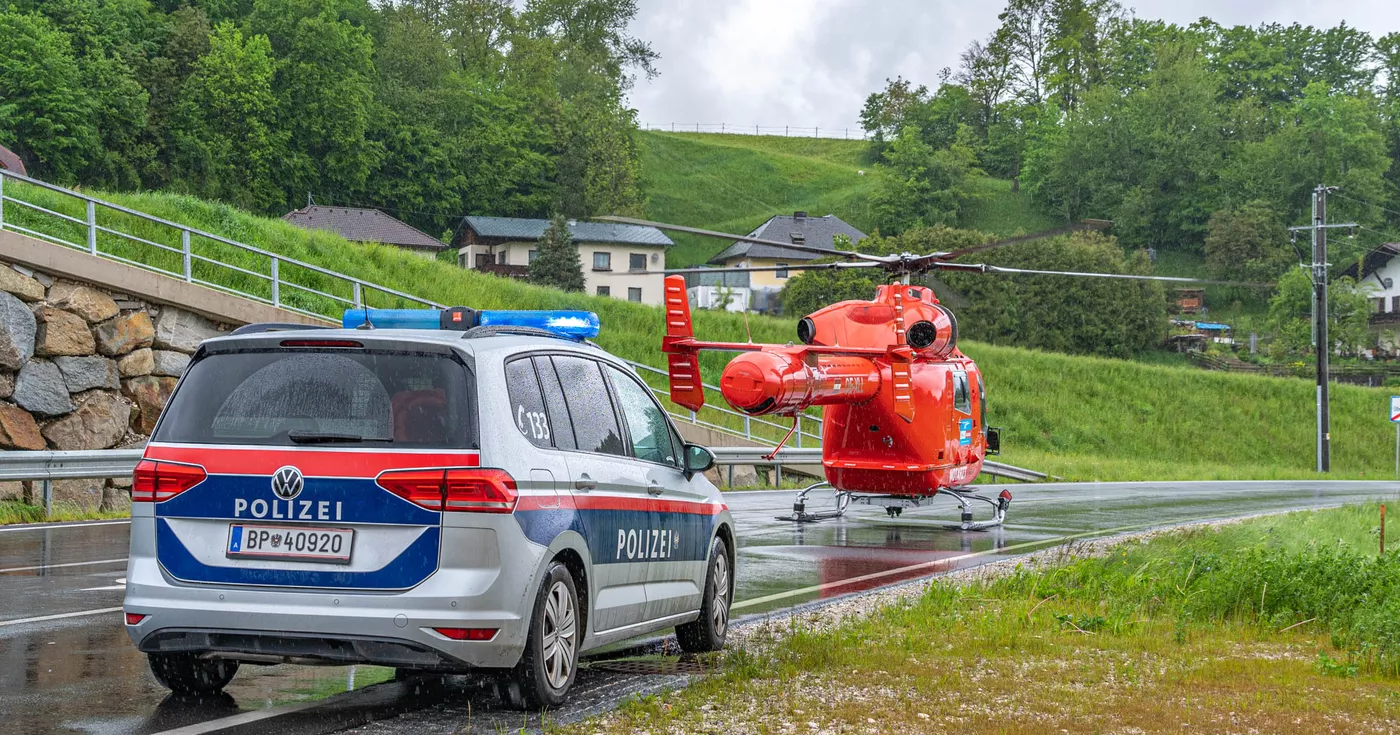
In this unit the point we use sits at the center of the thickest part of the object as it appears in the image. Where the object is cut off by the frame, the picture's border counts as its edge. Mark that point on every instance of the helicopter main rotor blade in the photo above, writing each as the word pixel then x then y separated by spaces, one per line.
pixel 1080 226
pixel 774 268
pixel 984 268
pixel 741 238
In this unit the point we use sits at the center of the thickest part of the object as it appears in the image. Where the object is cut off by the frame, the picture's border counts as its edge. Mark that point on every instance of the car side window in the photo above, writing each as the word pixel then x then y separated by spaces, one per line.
pixel 596 428
pixel 962 401
pixel 527 403
pixel 648 431
pixel 560 423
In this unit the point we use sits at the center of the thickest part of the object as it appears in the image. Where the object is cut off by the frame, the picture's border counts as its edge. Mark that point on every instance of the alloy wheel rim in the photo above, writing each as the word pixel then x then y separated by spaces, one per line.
pixel 560 635
pixel 719 615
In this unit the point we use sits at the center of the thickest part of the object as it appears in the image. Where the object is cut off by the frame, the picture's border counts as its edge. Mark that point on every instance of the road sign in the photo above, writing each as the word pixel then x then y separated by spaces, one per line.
pixel 1395 419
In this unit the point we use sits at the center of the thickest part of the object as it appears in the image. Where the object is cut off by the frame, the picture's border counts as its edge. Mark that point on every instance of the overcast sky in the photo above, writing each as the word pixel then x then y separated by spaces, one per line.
pixel 812 62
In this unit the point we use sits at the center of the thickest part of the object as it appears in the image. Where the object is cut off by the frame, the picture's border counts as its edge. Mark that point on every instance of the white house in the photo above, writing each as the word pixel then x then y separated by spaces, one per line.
pixel 1380 279
pixel 621 261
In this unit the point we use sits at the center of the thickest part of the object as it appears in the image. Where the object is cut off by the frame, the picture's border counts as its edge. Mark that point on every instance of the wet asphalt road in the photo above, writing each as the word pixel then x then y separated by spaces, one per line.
pixel 74 670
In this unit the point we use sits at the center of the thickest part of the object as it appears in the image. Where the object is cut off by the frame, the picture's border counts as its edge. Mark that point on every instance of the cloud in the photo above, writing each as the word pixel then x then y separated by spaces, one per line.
pixel 812 62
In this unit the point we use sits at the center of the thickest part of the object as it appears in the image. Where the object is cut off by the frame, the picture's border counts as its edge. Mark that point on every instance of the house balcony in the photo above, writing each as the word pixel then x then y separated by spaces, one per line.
pixel 519 272
pixel 1384 318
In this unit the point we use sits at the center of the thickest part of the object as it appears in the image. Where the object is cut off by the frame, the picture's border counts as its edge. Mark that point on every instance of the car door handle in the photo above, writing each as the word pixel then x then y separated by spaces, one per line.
pixel 585 483
pixel 654 489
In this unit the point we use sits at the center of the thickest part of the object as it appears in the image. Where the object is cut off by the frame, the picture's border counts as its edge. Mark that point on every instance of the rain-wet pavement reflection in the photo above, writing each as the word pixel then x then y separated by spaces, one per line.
pixel 81 674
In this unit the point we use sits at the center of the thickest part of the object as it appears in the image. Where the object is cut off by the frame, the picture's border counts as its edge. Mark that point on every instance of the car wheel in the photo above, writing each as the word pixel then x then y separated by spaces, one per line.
pixel 187 673
pixel 707 632
pixel 547 667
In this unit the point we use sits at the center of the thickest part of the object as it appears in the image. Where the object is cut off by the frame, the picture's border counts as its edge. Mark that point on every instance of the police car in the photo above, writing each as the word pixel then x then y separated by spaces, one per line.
pixel 437 491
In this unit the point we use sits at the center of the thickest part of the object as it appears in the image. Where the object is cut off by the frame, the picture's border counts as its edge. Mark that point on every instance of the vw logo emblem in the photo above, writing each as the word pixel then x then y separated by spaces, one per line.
pixel 286 483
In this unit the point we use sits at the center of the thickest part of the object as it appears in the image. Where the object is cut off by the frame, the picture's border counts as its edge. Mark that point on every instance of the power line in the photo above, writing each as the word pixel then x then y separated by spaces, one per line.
pixel 1369 204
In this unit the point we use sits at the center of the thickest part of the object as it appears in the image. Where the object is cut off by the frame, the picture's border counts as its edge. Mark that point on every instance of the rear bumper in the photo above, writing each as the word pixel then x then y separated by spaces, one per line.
pixel 343 626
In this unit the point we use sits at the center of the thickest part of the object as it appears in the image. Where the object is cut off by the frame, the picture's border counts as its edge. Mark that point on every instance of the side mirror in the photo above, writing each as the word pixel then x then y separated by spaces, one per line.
pixel 698 459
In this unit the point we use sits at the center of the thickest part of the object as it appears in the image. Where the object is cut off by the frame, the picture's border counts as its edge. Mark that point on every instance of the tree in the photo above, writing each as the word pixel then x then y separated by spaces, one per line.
pixel 1290 313
pixel 1110 317
pixel 45 116
pixel 1247 244
pixel 887 112
pixel 920 186
pixel 557 262
pixel 225 126
pixel 324 93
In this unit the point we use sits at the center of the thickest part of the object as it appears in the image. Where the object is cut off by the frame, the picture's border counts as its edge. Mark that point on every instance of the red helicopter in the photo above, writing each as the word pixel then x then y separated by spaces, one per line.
pixel 904 410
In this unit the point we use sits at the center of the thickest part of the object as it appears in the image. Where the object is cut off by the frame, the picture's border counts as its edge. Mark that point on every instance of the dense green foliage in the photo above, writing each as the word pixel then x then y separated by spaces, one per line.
pixel 427 109
pixel 1105 316
pixel 557 263
pixel 1158 127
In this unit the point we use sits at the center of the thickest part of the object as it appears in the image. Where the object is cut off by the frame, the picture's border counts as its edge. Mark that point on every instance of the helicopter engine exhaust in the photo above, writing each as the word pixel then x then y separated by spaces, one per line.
pixel 761 383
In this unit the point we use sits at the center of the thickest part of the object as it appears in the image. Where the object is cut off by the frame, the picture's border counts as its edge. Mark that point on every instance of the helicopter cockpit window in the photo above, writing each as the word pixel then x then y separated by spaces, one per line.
pixel 982 401
pixel 962 400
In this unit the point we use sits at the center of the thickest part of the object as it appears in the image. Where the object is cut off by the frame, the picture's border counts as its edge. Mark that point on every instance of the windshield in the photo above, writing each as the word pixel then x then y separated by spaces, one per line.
pixel 307 397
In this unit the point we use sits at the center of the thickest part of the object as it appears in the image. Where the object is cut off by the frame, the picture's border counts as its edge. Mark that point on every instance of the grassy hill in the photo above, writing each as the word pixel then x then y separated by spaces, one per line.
pixel 1077 417
pixel 733 183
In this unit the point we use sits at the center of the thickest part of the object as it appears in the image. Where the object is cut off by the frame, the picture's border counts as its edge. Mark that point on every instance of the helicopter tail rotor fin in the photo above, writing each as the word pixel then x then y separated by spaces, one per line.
pixel 683 357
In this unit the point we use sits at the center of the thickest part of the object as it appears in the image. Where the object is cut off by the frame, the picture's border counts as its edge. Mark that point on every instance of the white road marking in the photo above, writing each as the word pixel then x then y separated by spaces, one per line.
pixel 946 561
pixel 60 566
pixel 60 616
pixel 49 527
pixel 243 718
pixel 120 585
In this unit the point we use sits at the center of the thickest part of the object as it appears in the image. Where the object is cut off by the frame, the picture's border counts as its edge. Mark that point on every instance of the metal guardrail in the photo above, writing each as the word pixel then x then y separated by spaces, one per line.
pixel 353 292
pixel 49 466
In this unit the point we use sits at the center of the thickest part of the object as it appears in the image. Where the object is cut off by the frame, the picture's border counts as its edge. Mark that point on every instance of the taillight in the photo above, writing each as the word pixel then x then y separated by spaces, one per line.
pixel 468 634
pixel 135 618
pixel 156 481
pixel 466 490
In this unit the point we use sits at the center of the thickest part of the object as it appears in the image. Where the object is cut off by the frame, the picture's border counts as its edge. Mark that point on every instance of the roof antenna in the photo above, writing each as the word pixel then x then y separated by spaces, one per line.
pixel 367 324
pixel 309 201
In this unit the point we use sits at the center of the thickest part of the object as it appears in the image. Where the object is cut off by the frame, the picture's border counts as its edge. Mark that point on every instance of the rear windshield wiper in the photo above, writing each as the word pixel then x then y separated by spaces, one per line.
pixel 313 437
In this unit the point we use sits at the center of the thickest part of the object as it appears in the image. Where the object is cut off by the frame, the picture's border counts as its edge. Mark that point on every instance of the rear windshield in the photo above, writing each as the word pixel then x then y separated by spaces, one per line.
pixel 304 397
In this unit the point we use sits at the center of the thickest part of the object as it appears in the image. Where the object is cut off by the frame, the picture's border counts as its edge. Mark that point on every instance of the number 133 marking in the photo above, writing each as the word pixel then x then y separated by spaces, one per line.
pixel 533 424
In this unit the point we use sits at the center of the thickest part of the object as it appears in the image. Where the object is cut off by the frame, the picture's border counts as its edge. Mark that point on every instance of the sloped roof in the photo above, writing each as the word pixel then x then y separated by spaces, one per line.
pixel 11 162
pixel 812 232
pixel 363 225
pixel 515 228
pixel 1374 260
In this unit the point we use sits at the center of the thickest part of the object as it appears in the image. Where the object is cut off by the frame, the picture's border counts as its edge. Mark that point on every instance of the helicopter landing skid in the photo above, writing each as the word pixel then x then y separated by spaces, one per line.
pixel 894 505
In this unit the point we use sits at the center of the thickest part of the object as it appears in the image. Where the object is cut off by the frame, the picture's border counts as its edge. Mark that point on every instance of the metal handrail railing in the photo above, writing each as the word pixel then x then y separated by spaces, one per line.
pixel 358 288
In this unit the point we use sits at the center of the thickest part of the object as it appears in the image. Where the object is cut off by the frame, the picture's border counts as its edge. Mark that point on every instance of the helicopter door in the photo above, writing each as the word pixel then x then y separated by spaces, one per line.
pixel 960 434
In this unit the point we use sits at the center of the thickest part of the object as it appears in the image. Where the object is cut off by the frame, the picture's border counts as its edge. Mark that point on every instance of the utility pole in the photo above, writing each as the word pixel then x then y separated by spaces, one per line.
pixel 1321 341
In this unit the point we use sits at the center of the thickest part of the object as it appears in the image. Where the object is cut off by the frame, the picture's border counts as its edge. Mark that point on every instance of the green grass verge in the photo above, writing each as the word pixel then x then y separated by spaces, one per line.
pixel 996 210
pixel 1281 624
pixel 14 511
pixel 733 183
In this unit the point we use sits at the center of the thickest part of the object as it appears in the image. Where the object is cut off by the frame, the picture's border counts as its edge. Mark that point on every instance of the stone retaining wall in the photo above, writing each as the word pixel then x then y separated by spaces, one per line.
pixel 84 368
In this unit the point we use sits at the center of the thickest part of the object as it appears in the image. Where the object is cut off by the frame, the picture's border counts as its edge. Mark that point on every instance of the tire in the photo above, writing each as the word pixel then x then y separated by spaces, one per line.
pixel 187 673
pixel 550 661
pixel 707 632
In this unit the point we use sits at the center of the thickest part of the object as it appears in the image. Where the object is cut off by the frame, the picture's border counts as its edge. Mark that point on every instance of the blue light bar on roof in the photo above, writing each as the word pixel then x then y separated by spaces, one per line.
pixel 570 324
pixel 575 324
